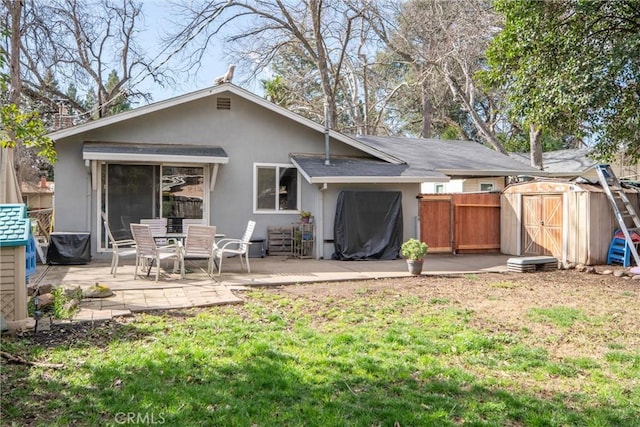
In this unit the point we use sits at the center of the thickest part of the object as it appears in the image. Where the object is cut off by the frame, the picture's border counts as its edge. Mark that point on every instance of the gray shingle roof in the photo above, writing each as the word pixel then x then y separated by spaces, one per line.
pixel 561 162
pixel 360 169
pixel 460 158
pixel 105 148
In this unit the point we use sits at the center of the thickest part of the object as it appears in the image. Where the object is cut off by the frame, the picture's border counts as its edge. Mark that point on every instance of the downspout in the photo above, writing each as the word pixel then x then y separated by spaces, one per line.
pixel 320 223
pixel 89 167
pixel 326 133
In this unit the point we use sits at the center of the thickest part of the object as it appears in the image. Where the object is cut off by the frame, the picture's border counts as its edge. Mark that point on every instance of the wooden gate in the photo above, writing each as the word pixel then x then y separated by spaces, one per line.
pixel 458 223
pixel 542 224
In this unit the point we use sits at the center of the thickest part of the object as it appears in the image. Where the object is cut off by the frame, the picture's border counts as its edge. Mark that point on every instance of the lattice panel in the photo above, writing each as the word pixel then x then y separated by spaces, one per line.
pixel 8 304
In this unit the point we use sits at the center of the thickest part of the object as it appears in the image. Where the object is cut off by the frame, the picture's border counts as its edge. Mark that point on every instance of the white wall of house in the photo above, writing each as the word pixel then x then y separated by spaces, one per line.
pixel 470 185
pixel 453 186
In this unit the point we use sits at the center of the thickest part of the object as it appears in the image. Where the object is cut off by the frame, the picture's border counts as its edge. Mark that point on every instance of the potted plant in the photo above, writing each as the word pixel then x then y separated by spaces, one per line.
pixel 305 216
pixel 414 250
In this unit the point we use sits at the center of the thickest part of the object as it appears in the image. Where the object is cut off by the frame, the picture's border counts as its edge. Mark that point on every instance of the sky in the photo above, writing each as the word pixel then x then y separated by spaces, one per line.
pixel 156 23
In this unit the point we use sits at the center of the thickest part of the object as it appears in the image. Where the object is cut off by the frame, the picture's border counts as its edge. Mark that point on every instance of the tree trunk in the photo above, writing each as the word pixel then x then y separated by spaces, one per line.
pixel 365 90
pixel 535 142
pixel 477 121
pixel 14 61
pixel 427 110
pixel 15 10
pixel 315 8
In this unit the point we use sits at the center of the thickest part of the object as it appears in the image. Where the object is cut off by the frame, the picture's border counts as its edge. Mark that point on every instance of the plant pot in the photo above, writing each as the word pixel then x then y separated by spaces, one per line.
pixel 415 266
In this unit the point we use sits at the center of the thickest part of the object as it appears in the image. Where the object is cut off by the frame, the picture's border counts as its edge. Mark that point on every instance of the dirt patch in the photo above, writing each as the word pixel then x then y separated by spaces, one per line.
pixel 500 303
pixel 505 304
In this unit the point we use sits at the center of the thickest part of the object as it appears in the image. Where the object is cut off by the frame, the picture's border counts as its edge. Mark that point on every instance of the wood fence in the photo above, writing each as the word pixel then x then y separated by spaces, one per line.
pixel 460 223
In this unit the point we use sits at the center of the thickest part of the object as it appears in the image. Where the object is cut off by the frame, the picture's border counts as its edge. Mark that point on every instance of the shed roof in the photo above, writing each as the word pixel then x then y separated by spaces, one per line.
pixel 15 227
pixel 558 185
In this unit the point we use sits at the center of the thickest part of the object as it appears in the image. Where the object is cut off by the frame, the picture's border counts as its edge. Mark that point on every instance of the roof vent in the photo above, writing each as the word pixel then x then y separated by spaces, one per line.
pixel 224 103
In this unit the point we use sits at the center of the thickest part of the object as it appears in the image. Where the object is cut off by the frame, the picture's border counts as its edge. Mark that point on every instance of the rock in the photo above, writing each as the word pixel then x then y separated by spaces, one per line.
pixel 98 291
pixel 73 292
pixel 607 272
pixel 568 266
pixel 31 289
pixel 636 277
pixel 581 268
pixel 591 270
pixel 45 288
pixel 45 300
pixel 71 305
pixel 619 273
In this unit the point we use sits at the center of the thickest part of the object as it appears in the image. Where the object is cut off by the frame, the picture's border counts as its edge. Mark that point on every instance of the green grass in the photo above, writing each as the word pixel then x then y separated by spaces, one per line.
pixel 559 316
pixel 375 359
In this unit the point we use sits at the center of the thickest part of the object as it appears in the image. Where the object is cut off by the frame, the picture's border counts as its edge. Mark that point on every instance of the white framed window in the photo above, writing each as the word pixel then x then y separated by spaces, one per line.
pixel 487 186
pixel 438 188
pixel 275 188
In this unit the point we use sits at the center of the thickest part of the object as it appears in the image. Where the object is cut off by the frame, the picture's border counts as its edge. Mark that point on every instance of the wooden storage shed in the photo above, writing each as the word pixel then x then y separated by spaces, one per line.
pixel 571 221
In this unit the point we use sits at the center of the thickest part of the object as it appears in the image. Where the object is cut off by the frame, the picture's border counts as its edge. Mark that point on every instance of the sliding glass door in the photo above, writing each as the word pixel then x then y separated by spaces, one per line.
pixel 130 193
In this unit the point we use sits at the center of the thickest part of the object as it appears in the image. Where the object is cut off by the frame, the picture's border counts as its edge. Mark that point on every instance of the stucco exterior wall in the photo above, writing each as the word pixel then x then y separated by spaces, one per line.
pixel 410 210
pixel 247 132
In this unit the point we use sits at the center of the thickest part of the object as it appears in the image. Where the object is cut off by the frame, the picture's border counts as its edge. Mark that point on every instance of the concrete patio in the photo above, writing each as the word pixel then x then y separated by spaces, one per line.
pixel 197 289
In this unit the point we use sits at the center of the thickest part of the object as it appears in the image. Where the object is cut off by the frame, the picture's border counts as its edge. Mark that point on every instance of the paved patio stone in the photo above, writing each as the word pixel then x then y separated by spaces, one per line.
pixel 90 305
pixel 102 315
pixel 115 313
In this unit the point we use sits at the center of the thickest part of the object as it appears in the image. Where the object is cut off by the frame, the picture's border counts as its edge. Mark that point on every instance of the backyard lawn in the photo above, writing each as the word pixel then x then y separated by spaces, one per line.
pixel 538 349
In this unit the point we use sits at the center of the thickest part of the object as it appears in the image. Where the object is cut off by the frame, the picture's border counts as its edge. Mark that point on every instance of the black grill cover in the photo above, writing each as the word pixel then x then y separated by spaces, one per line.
pixel 368 225
pixel 69 248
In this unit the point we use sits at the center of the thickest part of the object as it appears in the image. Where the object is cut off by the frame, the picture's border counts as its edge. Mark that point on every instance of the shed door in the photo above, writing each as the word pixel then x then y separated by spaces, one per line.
pixel 542 224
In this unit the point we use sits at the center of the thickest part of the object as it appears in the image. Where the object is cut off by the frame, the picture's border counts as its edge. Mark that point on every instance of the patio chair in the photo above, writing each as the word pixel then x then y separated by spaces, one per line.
pixel 148 253
pixel 188 221
pixel 158 228
pixel 199 243
pixel 233 247
pixel 120 248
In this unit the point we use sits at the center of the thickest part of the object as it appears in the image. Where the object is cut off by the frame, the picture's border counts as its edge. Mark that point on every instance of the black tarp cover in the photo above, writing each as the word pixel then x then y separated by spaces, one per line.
pixel 69 248
pixel 367 225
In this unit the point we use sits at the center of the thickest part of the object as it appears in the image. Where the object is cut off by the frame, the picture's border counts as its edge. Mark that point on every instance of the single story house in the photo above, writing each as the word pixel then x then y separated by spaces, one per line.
pixel 225 155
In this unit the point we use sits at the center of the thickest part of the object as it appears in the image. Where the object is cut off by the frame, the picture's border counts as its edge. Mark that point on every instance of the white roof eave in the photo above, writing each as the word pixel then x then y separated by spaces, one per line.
pixel 375 179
